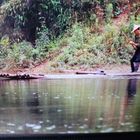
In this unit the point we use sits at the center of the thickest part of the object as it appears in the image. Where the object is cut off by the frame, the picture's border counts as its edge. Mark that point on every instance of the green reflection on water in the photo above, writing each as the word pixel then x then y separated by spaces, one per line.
pixel 69 106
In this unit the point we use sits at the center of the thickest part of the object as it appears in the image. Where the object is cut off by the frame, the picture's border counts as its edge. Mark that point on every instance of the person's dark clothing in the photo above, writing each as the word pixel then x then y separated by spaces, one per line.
pixel 136 57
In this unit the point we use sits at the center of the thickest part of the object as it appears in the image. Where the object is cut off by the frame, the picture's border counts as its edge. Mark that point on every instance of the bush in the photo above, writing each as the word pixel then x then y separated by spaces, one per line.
pixel 21 53
pixel 4 46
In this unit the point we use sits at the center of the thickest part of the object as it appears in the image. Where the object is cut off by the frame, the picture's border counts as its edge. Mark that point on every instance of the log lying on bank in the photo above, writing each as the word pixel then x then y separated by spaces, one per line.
pixel 90 72
pixel 20 76
pixel 116 74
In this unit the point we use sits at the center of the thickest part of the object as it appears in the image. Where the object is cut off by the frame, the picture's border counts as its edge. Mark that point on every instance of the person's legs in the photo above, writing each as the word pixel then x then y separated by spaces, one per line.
pixel 136 66
pixel 132 65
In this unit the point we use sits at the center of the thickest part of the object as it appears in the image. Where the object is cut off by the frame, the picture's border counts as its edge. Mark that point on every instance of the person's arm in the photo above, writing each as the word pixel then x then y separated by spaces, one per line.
pixel 135 45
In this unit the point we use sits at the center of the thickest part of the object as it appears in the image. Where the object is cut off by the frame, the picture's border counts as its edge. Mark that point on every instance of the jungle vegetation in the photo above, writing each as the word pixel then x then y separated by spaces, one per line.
pixel 69 34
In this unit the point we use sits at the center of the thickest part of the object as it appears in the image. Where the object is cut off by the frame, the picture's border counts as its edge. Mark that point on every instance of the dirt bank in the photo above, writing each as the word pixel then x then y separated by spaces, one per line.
pixel 43 69
pixel 107 68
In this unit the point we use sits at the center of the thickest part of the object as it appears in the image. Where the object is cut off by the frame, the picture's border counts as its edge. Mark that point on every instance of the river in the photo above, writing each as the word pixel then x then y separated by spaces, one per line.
pixel 86 105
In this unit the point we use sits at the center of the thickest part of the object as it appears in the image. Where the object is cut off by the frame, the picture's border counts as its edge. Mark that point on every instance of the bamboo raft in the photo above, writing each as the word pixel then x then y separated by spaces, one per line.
pixel 20 76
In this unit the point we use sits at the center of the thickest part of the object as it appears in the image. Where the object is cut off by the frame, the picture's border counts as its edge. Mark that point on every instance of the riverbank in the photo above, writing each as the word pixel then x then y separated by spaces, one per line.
pixel 109 71
pixel 107 68
pixel 44 69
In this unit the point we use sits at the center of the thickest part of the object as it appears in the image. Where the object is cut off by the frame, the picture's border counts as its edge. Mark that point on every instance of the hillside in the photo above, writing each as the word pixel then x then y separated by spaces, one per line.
pixel 44 67
pixel 83 35
pixel 47 65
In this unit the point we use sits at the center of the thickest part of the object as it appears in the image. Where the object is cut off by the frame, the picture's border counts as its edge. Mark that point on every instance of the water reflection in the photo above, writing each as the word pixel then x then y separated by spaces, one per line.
pixel 128 101
pixel 33 103
pixel 131 88
pixel 69 106
pixel 132 99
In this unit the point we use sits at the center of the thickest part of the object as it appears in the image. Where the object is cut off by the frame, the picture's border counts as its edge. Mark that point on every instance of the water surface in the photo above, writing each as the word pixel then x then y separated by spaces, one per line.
pixel 69 106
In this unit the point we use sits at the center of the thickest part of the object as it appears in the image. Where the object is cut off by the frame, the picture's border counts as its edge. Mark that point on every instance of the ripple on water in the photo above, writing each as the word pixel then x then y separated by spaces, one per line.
pixel 86 119
pixel 68 97
pixel 37 127
pixel 83 126
pixel 100 119
pixel 57 97
pixel 11 124
pixel 10 131
pixel 51 127
pixel 20 128
pixel 65 125
pixel 59 110
pixel 33 126
pixel 107 130
pixel 71 132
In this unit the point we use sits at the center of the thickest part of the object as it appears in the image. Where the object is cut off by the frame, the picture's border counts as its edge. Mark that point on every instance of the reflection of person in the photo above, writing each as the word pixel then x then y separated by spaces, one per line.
pixel 136 45
pixel 128 98
pixel 131 87
pixel 33 103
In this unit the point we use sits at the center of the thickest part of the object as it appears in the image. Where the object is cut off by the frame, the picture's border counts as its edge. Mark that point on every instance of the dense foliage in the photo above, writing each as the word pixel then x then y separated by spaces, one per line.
pixel 34 30
pixel 29 17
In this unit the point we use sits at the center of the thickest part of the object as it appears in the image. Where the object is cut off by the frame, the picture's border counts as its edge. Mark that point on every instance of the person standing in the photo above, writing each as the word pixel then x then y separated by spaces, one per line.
pixel 135 60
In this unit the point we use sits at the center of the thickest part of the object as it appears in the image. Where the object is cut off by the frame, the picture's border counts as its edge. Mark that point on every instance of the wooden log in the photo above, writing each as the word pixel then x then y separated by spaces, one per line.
pixel 91 72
